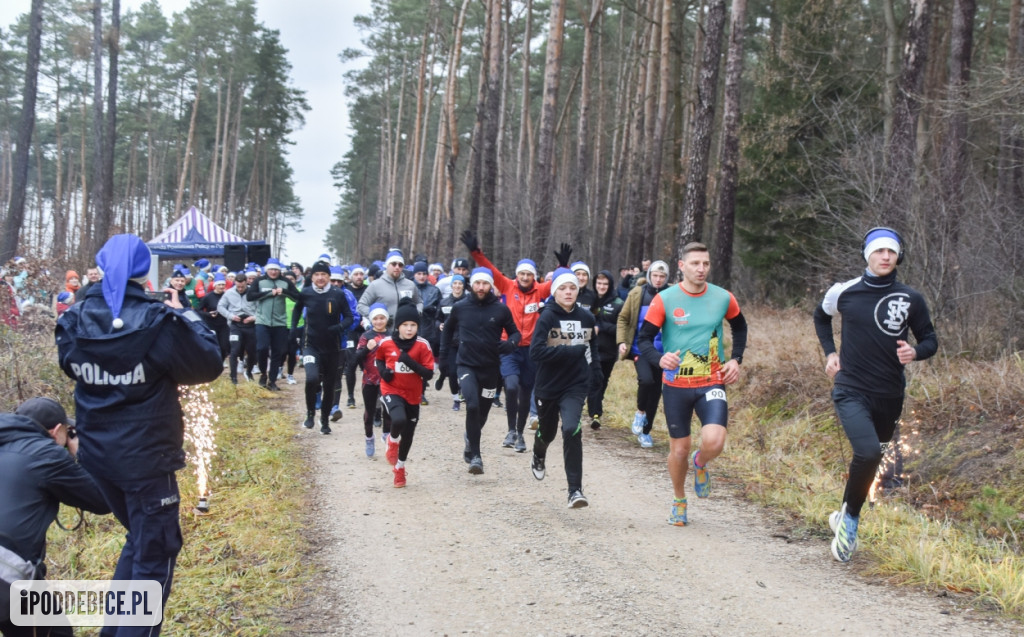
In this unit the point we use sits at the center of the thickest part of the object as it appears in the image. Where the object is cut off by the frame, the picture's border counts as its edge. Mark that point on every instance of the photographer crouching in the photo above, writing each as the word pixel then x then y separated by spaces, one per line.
pixel 36 475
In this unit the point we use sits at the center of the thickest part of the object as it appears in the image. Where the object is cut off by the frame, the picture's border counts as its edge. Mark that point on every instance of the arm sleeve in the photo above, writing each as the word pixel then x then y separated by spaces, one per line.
pixel 653 321
pixel 738 326
pixel 501 281
pixel 224 308
pixel 365 301
pixel 72 485
pixel 346 315
pixel 300 304
pixel 823 328
pixel 361 350
pixel 924 331
pixel 514 336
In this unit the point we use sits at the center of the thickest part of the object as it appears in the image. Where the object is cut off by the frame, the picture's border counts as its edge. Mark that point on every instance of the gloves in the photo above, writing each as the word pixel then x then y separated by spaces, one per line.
pixel 387 374
pixel 563 254
pixel 469 238
pixel 506 347
pixel 408 360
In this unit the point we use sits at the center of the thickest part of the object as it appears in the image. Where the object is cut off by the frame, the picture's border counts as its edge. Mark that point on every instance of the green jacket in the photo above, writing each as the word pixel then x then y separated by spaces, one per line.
pixel 271 310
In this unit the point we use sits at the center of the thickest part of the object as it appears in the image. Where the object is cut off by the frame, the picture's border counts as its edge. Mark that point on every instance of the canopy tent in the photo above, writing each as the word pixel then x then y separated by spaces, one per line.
pixel 195 235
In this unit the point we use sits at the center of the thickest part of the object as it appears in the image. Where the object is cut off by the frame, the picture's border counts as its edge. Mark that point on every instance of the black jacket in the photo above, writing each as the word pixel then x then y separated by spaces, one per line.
pixel 564 347
pixel 606 311
pixel 126 395
pixel 431 298
pixel 477 326
pixel 328 315
pixel 35 477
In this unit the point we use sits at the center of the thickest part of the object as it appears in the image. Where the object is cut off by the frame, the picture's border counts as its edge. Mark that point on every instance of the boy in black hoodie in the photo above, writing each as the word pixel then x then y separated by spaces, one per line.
pixel 606 308
pixel 564 346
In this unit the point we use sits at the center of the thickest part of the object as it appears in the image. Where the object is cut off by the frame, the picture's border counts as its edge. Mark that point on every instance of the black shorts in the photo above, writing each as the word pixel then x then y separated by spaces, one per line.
pixel 710 403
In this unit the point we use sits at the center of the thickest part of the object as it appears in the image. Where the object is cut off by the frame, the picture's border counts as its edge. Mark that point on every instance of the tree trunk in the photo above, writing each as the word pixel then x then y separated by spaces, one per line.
pixel 188 150
pixel 544 177
pixel 721 262
pixel 489 146
pixel 110 134
pixel 583 151
pixel 101 217
pixel 653 181
pixel 691 226
pixel 19 181
pixel 525 126
pixel 892 51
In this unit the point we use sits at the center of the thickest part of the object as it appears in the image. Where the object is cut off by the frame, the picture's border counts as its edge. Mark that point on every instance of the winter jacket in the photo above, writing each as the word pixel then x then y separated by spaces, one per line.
pixel 606 312
pixel 126 396
pixel 431 298
pixel 632 316
pixel 271 310
pixel 233 304
pixel 328 315
pixel 565 350
pixel 365 357
pixel 36 475
pixel 388 291
pixel 480 327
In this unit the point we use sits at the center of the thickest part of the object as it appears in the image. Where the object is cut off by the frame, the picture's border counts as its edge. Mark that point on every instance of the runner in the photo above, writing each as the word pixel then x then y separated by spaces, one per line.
pixel 446 367
pixel 240 314
pixel 269 293
pixel 564 346
pixel 689 318
pixel 404 362
pixel 606 311
pixel 368 342
pixel 355 285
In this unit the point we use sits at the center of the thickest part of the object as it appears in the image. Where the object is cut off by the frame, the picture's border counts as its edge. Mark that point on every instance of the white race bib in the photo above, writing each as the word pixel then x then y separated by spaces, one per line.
pixel 531 308
pixel 715 394
pixel 309 360
pixel 402 368
pixel 488 393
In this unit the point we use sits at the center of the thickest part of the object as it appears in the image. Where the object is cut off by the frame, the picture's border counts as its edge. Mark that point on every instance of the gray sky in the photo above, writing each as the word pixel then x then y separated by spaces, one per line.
pixel 314 32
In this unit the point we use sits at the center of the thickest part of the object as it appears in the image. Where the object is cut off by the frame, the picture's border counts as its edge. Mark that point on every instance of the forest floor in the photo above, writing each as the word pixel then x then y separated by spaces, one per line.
pixel 500 553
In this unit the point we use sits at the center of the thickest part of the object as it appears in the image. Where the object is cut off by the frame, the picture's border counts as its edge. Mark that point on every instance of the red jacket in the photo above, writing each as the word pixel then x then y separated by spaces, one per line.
pixel 525 306
pixel 405 383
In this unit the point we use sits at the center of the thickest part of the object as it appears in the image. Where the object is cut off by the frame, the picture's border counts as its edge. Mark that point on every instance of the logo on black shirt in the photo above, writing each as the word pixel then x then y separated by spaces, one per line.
pixel 891 313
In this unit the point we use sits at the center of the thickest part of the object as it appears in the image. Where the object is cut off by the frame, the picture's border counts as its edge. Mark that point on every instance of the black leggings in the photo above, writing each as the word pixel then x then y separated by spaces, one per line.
pixel 868 422
pixel 370 395
pixel 475 382
pixel 648 390
pixel 404 417
pixel 320 370
pixel 568 408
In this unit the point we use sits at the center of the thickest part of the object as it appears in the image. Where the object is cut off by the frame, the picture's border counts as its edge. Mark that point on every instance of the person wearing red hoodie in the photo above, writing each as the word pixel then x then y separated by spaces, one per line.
pixel 524 297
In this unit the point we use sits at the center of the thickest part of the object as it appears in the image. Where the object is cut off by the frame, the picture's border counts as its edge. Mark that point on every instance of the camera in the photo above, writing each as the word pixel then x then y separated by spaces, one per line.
pixel 72 432
pixel 158 295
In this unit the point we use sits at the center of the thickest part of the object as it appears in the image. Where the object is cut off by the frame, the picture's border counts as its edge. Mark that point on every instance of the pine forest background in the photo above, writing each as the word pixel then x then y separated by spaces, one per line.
pixel 776 132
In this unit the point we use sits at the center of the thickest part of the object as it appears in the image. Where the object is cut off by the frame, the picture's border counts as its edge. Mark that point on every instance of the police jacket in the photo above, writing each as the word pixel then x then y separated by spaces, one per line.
pixel 476 326
pixel 36 475
pixel 126 395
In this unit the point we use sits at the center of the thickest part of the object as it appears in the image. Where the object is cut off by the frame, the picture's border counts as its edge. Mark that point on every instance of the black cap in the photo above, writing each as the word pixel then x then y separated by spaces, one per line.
pixel 320 266
pixel 406 312
pixel 45 411
pixel 461 263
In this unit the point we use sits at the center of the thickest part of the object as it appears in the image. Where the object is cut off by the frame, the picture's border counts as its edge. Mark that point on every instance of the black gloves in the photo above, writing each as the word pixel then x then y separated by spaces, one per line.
pixel 563 254
pixel 469 238
pixel 506 347
pixel 408 360
pixel 387 374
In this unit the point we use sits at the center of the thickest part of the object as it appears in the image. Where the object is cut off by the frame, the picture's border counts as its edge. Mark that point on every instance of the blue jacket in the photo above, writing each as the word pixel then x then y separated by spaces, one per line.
pixel 128 415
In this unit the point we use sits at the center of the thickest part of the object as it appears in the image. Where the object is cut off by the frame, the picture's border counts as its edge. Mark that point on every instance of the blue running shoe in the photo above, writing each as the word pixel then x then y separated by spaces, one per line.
pixel 645 440
pixel 845 527
pixel 701 478
pixel 639 422
pixel 369 447
pixel 678 515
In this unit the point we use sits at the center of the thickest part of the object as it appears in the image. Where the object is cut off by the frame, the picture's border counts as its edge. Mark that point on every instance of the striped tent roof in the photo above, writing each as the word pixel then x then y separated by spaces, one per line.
pixel 193 222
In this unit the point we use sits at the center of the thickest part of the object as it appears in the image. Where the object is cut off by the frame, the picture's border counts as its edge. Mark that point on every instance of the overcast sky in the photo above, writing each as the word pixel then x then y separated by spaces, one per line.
pixel 314 32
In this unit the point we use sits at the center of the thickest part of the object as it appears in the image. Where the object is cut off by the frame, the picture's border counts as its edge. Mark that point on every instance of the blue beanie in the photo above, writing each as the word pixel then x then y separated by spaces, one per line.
pixel 419 266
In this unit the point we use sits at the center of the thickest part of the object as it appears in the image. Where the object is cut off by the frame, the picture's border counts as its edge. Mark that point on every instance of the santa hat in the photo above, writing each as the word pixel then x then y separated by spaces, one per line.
pixel 563 276
pixel 122 257
pixel 481 274
pixel 527 265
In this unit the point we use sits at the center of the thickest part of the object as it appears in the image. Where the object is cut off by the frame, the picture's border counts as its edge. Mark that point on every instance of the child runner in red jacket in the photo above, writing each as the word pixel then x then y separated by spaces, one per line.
pixel 404 361
pixel 365 356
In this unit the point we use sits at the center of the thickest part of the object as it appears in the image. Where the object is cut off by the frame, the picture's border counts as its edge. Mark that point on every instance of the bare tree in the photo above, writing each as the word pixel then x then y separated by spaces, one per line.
pixel 544 176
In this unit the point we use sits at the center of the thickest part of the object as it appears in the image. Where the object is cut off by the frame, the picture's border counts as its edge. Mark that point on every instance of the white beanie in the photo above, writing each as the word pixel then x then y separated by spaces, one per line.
pixel 563 276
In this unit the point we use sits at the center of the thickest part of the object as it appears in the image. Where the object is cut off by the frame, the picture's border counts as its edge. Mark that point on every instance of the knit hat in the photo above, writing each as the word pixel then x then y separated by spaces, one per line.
pixel 219 278
pixel 326 258
pixel 378 309
pixel 223 269
pixel 179 272
pixel 527 265
pixel 460 263
pixel 337 272
pixel 481 274
pixel 579 265
pixel 563 276
pixel 657 266
pixel 320 266
pixel 459 278
pixel 202 264
pixel 393 257
pixel 122 257
pixel 419 266
pixel 879 239
pixel 436 267
pixel 248 271
pixel 356 268
pixel 273 264
pixel 406 312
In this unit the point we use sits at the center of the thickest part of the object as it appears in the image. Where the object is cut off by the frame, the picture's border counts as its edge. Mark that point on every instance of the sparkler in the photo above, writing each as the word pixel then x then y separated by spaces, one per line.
pixel 200 420
pixel 893 455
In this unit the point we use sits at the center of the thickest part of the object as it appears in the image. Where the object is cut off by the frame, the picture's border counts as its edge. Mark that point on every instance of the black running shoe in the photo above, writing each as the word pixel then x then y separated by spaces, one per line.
pixel 476 465
pixel 577 500
pixel 351 404
pixel 308 424
pixel 325 429
pixel 537 466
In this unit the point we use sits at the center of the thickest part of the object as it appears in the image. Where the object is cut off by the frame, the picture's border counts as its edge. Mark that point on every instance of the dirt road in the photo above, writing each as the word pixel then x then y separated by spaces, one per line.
pixel 500 553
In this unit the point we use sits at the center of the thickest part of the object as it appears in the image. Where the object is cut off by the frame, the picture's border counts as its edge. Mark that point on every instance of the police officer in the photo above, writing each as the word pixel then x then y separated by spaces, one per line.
pixel 128 354
pixel 36 475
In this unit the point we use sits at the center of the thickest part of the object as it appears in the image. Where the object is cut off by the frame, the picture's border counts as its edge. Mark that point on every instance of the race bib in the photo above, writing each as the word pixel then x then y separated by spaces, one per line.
pixel 309 360
pixel 488 393
pixel 531 308
pixel 446 310
pixel 715 394
pixel 350 344
pixel 402 368
pixel 234 338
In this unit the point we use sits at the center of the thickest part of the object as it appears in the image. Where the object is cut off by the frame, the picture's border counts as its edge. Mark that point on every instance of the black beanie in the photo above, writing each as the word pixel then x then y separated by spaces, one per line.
pixel 406 312
pixel 320 266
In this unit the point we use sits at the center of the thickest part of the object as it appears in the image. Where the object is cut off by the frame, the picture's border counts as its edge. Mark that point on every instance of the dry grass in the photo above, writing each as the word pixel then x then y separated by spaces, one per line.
pixel 958 522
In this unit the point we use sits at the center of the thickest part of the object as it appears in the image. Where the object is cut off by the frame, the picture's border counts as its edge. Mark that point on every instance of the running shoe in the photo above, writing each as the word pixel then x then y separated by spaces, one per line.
pixel 476 465
pixel 595 422
pixel 639 422
pixel 424 401
pixel 532 422
pixel 325 429
pixel 336 414
pixel 456 405
pixel 263 380
pixel 234 381
pixel 701 478
pixel 577 500
pixel 291 379
pixel 399 477
pixel 384 440
pixel 496 401
pixel 351 404
pixel 845 528
pixel 678 515
pixel 537 466
pixel 308 424
pixel 510 440
pixel 645 440
pixel 392 453
pixel 520 443
pixel 369 447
